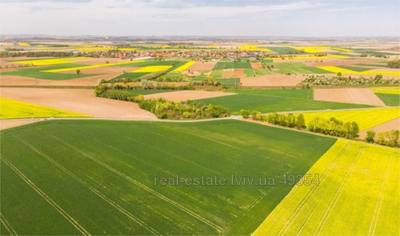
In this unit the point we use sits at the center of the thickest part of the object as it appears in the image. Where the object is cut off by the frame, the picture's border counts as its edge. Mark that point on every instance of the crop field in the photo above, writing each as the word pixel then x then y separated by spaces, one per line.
pixel 298 68
pixel 321 49
pixel 283 50
pixel 275 100
pixel 306 57
pixel 11 109
pixel 50 61
pixel 81 177
pixel 57 70
pixel 387 90
pixel 185 66
pixel 40 72
pixel 252 48
pixel 232 65
pixel 365 118
pixel 357 181
pixel 151 69
pixel 389 99
pixel 384 72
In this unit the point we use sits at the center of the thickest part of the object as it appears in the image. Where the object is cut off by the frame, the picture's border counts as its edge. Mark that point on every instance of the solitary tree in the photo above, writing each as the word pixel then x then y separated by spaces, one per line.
pixel 370 136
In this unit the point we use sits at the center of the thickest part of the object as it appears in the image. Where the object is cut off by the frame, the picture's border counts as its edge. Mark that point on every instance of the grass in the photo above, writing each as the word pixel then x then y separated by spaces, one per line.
pixel 106 176
pixel 274 100
pixel 357 194
pixel 38 72
pixel 12 109
pixel 389 99
pixel 232 65
pixel 297 68
pixel 365 118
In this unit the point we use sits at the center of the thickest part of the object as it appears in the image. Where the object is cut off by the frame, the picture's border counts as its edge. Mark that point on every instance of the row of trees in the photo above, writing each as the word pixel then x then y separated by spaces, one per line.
pixel 330 126
pixel 388 138
pixel 164 109
pixel 334 127
pixel 322 80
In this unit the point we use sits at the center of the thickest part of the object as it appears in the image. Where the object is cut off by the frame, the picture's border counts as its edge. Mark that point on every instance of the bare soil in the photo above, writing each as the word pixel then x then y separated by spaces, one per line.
pixel 10 123
pixel 200 66
pixel 233 73
pixel 387 126
pixel 272 81
pixel 348 95
pixel 184 95
pixel 79 100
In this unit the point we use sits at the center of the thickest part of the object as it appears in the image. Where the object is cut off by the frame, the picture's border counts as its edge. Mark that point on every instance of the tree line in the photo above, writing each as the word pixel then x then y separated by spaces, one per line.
pixel 164 109
pixel 330 126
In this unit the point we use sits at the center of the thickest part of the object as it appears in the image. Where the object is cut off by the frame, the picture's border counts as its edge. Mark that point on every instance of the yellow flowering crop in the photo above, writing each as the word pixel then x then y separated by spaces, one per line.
pixel 16 109
pixel 153 69
pixel 365 118
pixel 184 66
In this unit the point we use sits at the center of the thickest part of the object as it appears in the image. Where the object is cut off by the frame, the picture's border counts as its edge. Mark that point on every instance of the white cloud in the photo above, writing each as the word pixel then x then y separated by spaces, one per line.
pixel 179 17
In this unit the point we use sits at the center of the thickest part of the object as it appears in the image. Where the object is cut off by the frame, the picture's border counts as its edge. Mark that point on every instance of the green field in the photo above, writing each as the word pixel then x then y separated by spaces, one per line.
pixel 297 68
pixel 129 76
pixel 389 99
pixel 232 65
pixel 274 100
pixel 357 194
pixel 37 72
pixel 284 50
pixel 103 177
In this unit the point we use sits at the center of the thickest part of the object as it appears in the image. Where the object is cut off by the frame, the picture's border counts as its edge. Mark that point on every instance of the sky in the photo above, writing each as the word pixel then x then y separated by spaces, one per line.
pixel 302 18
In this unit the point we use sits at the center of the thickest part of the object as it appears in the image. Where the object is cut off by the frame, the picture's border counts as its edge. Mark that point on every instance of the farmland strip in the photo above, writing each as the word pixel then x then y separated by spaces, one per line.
pixel 338 192
pixel 68 217
pixel 92 189
pixel 7 225
pixel 218 228
pixel 308 195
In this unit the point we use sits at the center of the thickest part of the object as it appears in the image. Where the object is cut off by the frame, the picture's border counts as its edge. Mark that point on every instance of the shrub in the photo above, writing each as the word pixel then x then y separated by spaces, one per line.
pixel 370 136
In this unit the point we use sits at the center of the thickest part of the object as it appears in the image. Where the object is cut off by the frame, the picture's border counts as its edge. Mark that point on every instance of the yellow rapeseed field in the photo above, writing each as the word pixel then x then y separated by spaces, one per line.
pixel 251 47
pixel 152 69
pixel 92 66
pixel 51 61
pixel 365 118
pixel 10 109
pixel 320 49
pixel 24 44
pixel 184 66
pixel 387 90
pixel 384 72
pixel 351 190
pixel 306 57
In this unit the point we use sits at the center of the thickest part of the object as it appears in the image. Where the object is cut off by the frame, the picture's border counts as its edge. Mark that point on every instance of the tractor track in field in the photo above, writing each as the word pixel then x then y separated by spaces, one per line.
pixel 91 188
pixel 308 195
pixel 49 200
pixel 378 207
pixel 144 187
pixel 7 225
pixel 338 192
